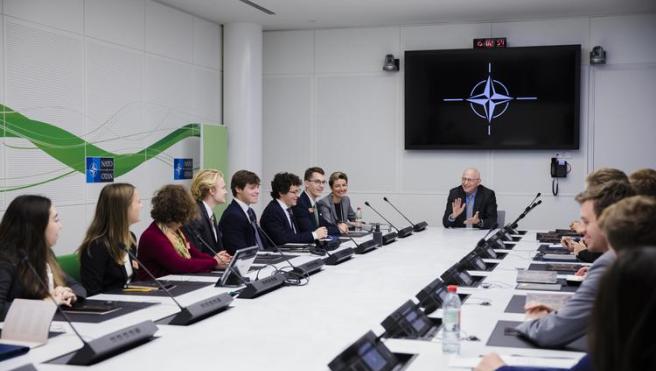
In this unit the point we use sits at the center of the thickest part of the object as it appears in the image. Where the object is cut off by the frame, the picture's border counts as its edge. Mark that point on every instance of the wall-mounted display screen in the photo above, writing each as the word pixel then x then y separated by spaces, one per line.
pixel 512 98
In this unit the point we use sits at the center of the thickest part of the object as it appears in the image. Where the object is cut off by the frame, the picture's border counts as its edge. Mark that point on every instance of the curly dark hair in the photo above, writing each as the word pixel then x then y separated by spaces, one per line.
pixel 173 203
pixel 282 183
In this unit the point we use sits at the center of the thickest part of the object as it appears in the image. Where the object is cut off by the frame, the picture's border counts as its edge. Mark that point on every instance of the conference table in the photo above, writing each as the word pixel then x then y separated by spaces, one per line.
pixel 305 327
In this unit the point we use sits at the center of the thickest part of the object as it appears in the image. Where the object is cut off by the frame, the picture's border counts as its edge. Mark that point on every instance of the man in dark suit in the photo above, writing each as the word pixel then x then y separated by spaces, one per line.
pixel 306 212
pixel 470 204
pixel 208 189
pixel 238 222
pixel 278 219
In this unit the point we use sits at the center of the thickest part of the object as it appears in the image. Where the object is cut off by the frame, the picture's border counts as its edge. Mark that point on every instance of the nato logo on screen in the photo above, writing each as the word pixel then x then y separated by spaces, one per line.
pixel 183 168
pixel 100 169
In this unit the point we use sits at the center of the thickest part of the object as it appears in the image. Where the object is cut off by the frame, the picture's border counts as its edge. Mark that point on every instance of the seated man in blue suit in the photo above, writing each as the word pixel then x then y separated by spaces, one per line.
pixel 306 212
pixel 238 223
pixel 278 219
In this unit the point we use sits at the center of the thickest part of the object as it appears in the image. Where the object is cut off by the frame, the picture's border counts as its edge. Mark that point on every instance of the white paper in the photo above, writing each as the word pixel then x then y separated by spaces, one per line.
pixel 28 322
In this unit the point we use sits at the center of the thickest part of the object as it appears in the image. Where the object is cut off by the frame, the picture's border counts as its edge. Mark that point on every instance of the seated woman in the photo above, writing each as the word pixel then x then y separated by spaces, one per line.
pixel 621 329
pixel 104 263
pixel 28 267
pixel 163 247
pixel 336 206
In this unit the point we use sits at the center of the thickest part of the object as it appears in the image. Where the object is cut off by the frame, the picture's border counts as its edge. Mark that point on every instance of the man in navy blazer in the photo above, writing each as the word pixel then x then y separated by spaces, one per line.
pixel 238 223
pixel 306 212
pixel 278 219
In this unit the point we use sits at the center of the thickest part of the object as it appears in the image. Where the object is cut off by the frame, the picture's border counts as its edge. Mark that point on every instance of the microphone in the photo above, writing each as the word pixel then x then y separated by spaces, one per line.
pixel 192 313
pixel 242 279
pixel 482 241
pixel 105 346
pixel 364 247
pixel 405 232
pixel 531 204
pixel 302 271
pixel 415 227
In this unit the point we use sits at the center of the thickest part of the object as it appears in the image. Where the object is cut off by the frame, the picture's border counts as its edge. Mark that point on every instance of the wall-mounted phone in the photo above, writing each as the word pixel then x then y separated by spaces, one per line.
pixel 559 169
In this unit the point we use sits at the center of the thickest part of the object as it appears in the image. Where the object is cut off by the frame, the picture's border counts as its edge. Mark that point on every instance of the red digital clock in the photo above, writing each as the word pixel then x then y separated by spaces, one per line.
pixel 492 42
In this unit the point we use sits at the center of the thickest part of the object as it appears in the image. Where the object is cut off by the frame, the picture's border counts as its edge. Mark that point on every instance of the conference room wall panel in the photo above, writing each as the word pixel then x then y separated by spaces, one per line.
pixel 288 126
pixel 627 39
pixel 442 36
pixel 207 44
pixel 565 31
pixel 62 14
pixel 423 178
pixel 354 50
pixel 288 52
pixel 44 79
pixel 169 32
pixel 625 117
pixel 116 21
pixel 206 98
pixel 114 79
pixel 101 86
pixel 356 131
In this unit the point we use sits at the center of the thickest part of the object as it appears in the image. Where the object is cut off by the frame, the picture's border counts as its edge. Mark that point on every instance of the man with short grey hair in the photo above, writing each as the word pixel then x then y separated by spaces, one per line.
pixel 470 204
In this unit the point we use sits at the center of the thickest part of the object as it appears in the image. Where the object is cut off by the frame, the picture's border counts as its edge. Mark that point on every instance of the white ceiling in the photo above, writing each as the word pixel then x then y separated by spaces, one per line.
pixel 304 14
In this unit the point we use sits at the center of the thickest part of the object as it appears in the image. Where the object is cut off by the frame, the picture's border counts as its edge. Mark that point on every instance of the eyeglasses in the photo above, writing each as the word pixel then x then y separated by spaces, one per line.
pixel 464 180
pixel 317 181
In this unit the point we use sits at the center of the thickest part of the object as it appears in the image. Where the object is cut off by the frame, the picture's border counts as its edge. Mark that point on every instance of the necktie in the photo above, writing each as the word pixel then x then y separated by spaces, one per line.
pixel 215 229
pixel 316 215
pixel 253 219
pixel 291 219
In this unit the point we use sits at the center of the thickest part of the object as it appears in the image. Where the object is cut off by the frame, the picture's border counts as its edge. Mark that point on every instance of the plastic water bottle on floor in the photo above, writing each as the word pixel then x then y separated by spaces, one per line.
pixel 451 321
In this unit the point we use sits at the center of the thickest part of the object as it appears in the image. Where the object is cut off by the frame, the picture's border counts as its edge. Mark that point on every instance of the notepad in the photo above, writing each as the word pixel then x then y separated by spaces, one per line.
pixel 559 257
pixel 90 308
pixel 537 276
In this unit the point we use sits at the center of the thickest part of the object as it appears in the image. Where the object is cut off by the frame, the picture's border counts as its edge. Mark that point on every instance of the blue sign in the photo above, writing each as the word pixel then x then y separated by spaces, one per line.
pixel 183 168
pixel 100 170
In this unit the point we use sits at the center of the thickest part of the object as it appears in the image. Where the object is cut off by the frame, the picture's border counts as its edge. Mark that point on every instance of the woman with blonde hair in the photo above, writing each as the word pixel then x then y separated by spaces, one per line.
pixel 104 262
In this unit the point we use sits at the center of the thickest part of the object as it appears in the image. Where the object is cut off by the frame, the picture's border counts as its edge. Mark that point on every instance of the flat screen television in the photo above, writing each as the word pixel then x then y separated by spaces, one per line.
pixel 505 98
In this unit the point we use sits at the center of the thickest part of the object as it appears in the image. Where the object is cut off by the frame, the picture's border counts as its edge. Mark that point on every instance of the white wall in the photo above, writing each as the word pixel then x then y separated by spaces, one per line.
pixel 328 103
pixel 121 74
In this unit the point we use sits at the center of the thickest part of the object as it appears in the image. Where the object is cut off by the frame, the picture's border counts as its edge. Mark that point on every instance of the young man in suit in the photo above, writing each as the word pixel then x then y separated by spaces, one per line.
pixel 549 328
pixel 208 190
pixel 278 219
pixel 470 204
pixel 307 213
pixel 238 223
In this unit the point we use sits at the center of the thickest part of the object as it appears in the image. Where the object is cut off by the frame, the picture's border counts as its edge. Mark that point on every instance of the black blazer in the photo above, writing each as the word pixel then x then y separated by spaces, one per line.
pixel 202 227
pixel 99 272
pixel 485 203
pixel 11 287
pixel 305 219
pixel 275 224
pixel 237 232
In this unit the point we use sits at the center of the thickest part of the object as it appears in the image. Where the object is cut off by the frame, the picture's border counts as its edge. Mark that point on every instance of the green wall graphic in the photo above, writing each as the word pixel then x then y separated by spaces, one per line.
pixel 72 150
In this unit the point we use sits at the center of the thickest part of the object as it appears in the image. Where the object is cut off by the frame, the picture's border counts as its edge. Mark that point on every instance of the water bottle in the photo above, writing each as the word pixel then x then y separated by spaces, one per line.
pixel 358 219
pixel 378 236
pixel 451 321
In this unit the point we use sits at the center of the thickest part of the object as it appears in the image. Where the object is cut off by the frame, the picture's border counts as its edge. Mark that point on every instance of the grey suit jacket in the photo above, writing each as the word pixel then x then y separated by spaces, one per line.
pixel 571 320
pixel 329 213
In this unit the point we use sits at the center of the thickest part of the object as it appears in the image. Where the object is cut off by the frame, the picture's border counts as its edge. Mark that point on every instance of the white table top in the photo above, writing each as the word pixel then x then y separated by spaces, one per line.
pixel 303 328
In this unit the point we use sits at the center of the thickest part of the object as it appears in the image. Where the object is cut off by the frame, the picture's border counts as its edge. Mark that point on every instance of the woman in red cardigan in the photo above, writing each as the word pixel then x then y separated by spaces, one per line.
pixel 163 247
